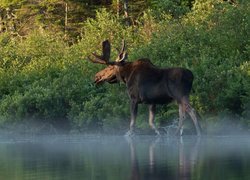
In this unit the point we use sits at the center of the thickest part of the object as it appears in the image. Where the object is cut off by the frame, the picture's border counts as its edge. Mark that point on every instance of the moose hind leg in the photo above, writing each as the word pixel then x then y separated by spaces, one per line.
pixel 152 108
pixel 179 130
pixel 192 114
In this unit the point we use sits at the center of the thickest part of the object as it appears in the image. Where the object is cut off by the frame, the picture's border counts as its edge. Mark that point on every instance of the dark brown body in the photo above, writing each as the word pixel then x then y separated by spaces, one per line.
pixel 148 84
pixel 151 85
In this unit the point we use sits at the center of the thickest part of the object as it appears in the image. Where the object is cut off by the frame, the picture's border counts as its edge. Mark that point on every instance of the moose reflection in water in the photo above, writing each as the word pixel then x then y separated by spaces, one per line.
pixel 115 157
pixel 148 84
pixel 187 159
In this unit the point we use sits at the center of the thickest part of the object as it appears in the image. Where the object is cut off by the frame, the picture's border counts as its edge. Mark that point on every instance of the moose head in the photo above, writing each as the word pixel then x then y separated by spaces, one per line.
pixel 111 73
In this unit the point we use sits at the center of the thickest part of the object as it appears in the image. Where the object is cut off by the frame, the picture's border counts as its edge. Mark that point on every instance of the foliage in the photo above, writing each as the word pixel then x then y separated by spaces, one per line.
pixel 172 7
pixel 45 77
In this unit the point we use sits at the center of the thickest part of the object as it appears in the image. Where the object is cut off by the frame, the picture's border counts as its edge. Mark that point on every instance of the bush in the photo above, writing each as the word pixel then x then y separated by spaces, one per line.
pixel 43 78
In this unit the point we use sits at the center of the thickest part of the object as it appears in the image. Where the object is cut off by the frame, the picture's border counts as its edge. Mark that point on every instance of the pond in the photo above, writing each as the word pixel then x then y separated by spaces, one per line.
pixel 99 157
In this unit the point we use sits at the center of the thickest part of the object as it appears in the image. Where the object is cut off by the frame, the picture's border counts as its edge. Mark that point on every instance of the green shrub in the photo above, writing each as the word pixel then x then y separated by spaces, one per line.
pixel 43 78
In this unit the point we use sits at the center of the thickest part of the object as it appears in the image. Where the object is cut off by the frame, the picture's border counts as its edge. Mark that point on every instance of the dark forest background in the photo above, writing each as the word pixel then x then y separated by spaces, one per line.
pixel 46 82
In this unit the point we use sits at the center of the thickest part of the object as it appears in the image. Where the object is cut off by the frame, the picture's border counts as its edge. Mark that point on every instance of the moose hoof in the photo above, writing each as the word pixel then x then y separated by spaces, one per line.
pixel 199 134
pixel 129 134
pixel 157 133
pixel 178 133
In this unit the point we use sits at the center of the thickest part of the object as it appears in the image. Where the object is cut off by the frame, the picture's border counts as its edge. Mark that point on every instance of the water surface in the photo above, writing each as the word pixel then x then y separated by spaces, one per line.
pixel 98 157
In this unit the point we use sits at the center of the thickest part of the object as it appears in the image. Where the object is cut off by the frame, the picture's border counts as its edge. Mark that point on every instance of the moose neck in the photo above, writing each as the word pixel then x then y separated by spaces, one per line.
pixel 124 72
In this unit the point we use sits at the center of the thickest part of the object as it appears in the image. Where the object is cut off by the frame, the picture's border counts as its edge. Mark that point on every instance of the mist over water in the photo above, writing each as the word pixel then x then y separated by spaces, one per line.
pixel 116 157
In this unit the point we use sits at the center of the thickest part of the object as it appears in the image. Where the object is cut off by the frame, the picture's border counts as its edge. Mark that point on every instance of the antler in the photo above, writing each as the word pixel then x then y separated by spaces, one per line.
pixel 104 58
pixel 122 54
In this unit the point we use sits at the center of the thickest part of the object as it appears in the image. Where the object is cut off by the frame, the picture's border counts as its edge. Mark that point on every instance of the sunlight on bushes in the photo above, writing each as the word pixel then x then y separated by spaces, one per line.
pixel 43 78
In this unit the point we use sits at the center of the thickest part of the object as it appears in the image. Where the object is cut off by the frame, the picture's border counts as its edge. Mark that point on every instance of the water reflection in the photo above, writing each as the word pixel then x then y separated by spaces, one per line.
pixel 187 158
pixel 117 158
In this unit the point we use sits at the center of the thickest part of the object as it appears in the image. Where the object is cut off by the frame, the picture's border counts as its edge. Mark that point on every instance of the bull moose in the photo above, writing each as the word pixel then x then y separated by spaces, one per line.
pixel 147 84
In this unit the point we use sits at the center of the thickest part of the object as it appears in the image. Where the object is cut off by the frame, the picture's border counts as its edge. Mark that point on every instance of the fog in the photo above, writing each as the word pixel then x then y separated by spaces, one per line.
pixel 103 157
pixel 222 152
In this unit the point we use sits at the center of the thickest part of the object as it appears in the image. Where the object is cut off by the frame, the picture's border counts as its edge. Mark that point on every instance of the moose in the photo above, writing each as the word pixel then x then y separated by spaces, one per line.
pixel 147 84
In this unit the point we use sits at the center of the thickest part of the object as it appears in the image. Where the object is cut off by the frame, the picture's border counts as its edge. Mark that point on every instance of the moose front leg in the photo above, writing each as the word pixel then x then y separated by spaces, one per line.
pixel 133 111
pixel 152 108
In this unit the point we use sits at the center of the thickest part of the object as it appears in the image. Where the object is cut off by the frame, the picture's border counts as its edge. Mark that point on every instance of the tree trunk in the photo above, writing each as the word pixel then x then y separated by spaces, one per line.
pixel 1 24
pixel 126 12
pixel 66 20
pixel 118 8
